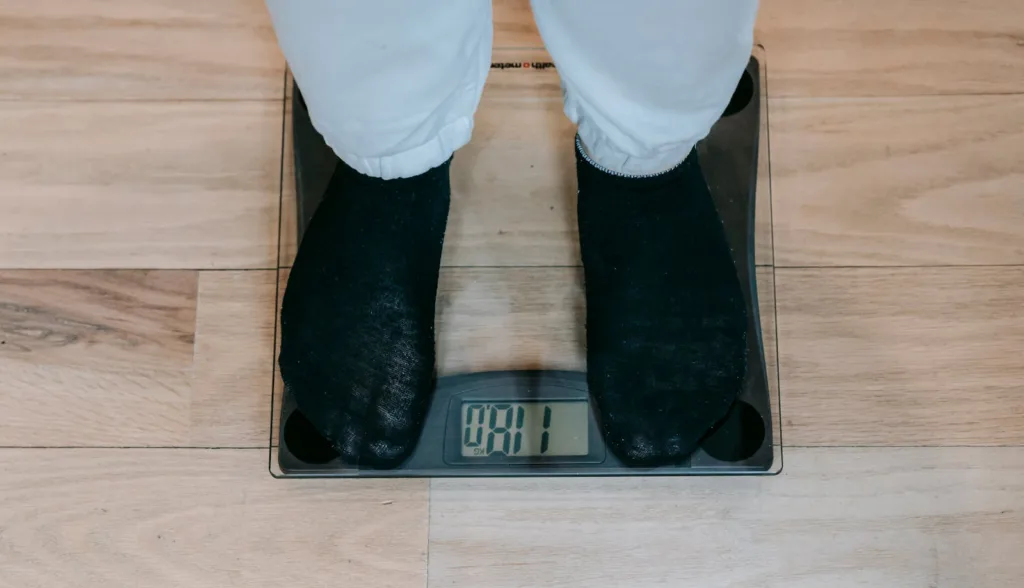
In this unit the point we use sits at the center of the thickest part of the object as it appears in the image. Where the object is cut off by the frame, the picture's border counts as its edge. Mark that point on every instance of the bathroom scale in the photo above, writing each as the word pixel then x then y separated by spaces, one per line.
pixel 543 423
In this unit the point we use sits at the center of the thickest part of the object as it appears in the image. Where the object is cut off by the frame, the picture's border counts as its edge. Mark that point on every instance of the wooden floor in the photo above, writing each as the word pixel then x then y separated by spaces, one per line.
pixel 145 174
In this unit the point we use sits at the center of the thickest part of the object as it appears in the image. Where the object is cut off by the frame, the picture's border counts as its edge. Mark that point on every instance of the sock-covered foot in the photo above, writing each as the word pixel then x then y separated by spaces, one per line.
pixel 357 320
pixel 666 317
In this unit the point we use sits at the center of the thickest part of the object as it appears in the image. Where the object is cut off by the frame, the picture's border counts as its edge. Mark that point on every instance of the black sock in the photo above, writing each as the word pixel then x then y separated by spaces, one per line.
pixel 666 317
pixel 357 320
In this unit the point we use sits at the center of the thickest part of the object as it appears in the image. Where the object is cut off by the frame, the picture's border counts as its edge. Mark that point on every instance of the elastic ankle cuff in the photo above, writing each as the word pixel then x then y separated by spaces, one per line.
pixel 415 161
pixel 581 149
pixel 587 166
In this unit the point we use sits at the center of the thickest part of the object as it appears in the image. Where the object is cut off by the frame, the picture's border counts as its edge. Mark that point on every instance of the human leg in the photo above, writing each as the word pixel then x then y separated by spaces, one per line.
pixel 392 86
pixel 666 318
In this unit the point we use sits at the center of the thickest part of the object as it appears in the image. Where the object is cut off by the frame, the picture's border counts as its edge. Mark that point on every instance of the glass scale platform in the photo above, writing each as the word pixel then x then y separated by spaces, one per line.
pixel 533 416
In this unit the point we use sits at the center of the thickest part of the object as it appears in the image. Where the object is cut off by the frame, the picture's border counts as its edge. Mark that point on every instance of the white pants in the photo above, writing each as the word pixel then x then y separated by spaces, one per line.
pixel 393 84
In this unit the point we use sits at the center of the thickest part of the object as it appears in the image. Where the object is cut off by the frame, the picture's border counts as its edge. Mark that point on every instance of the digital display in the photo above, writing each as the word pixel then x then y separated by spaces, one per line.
pixel 527 429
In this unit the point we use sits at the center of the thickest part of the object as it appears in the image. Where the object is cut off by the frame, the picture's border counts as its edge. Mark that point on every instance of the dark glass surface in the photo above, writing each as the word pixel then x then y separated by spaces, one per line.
pixel 744 443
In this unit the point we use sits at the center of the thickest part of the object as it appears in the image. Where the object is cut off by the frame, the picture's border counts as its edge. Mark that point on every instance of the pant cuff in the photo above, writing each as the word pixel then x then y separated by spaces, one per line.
pixel 597 148
pixel 415 161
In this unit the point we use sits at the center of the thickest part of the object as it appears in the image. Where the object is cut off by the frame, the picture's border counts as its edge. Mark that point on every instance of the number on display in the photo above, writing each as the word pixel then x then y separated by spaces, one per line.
pixel 503 426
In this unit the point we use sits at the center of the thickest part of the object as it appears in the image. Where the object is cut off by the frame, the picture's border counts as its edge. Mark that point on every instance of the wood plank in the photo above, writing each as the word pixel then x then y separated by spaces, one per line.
pixel 522 73
pixel 514 185
pixel 121 319
pixel 138 49
pixel 57 406
pixel 908 356
pixel 139 184
pixel 287 241
pixel 900 181
pixel 835 517
pixel 867 48
pixel 160 49
pixel 202 518
pixel 502 52
pixel 95 357
pixel 126 358
pixel 510 318
pixel 514 27
pixel 892 47
pixel 234 359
